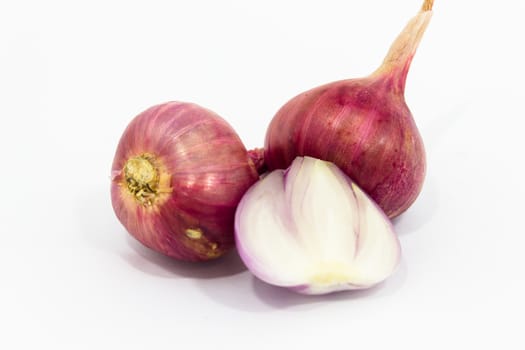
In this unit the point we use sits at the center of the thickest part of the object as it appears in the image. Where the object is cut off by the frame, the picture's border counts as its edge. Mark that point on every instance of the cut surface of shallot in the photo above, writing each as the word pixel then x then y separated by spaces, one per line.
pixel 311 229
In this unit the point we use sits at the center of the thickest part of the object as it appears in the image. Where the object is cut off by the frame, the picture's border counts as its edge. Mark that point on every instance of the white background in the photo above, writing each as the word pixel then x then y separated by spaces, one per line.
pixel 73 74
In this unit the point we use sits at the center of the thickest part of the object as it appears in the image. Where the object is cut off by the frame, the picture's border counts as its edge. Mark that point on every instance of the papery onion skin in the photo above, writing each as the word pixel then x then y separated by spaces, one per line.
pixel 362 125
pixel 202 172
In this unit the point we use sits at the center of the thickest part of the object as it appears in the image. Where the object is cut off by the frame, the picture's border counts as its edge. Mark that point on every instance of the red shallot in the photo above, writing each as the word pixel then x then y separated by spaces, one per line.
pixel 178 174
pixel 362 125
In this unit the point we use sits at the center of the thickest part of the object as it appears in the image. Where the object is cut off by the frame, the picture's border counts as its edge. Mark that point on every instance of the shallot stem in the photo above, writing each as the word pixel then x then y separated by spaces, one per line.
pixel 398 59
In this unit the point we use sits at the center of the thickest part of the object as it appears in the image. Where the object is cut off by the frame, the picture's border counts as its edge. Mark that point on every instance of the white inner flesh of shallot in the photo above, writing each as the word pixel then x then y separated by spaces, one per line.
pixel 312 229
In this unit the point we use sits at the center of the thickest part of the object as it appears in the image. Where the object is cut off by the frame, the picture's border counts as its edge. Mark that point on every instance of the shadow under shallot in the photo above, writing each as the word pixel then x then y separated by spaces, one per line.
pixel 156 264
pixel 435 132
pixel 225 280
pixel 102 231
pixel 282 298
pixel 244 292
pixel 421 212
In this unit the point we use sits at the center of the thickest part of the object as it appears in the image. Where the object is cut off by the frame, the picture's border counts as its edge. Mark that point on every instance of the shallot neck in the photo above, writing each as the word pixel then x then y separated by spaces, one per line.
pixel 398 59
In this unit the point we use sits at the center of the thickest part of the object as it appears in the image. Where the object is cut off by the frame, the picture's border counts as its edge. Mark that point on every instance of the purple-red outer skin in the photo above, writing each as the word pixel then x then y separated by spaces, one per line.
pixel 210 172
pixel 363 126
